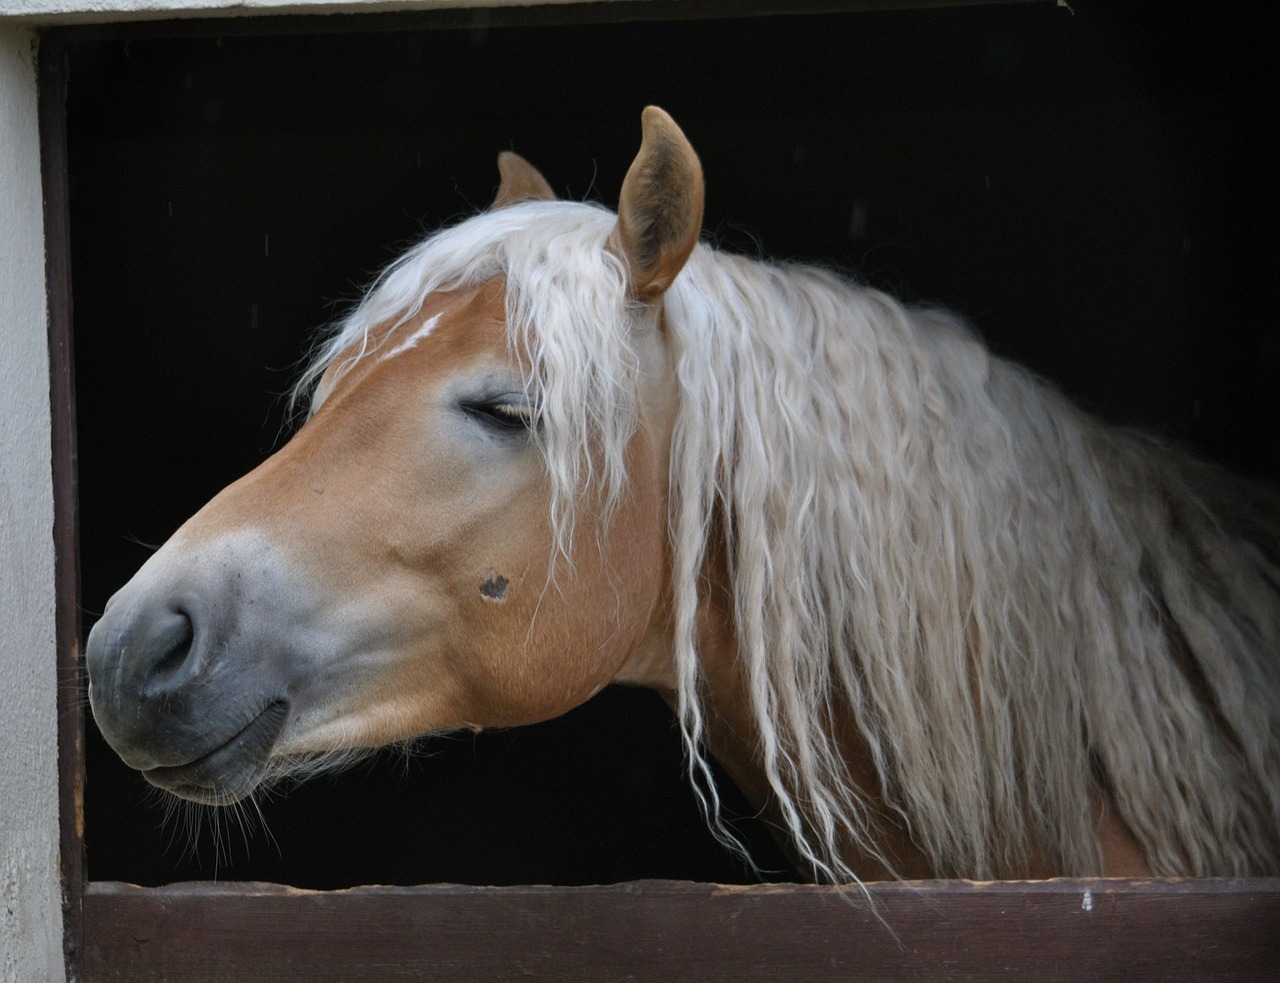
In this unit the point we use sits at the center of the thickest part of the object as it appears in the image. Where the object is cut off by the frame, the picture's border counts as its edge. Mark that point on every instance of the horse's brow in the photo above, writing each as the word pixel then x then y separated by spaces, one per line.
pixel 422 331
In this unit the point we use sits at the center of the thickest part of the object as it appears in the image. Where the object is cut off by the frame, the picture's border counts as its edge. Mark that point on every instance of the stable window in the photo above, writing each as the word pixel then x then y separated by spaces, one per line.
pixel 216 188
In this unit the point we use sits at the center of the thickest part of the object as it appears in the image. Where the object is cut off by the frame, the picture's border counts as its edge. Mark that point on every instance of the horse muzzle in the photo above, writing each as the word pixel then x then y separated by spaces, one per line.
pixel 180 692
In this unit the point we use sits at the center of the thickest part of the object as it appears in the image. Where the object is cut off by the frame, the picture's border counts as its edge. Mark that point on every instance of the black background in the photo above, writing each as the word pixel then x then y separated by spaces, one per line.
pixel 1094 187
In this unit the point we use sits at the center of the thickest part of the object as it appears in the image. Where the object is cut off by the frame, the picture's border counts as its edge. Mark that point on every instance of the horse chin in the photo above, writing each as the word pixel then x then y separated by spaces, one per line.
pixel 232 770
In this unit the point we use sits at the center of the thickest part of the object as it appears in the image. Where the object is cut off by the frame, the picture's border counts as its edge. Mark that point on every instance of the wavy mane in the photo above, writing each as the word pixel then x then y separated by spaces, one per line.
pixel 1016 603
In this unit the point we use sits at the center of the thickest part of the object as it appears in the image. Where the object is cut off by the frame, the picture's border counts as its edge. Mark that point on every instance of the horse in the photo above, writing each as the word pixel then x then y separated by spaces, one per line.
pixel 930 617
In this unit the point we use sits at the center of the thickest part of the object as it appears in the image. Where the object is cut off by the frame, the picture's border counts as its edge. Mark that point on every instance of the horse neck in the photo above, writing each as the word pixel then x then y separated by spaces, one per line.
pixel 730 729
pixel 733 737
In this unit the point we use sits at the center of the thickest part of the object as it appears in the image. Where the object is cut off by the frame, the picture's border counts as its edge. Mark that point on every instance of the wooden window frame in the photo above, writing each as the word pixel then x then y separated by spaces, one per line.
pixel 649 930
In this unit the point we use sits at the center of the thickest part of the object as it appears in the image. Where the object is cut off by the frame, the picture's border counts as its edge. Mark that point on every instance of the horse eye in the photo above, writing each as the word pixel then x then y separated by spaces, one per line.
pixel 501 415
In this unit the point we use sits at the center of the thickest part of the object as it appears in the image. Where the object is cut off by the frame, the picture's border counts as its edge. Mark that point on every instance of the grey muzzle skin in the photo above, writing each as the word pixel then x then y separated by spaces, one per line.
pixel 182 695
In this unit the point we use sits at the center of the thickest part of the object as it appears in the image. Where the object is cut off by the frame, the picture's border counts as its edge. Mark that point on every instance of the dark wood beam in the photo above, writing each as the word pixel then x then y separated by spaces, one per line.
pixel 657 930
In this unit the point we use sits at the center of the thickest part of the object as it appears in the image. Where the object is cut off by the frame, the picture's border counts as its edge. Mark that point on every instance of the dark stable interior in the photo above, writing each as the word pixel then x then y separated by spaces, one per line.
pixel 1093 187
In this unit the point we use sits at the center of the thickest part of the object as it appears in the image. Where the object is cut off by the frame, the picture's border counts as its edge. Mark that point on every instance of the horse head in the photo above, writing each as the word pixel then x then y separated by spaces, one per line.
pixel 405 563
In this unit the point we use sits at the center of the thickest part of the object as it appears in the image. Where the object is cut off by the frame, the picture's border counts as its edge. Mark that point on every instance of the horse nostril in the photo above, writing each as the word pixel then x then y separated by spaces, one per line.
pixel 155 681
pixel 169 652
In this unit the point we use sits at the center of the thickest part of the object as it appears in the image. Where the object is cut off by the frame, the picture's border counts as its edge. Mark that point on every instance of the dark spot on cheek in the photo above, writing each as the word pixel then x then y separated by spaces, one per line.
pixel 494 587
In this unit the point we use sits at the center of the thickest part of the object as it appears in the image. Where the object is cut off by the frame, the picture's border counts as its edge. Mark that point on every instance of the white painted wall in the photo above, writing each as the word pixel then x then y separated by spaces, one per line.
pixel 30 909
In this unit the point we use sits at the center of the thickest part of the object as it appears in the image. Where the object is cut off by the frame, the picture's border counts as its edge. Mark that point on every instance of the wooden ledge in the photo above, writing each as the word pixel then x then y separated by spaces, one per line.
pixel 1131 930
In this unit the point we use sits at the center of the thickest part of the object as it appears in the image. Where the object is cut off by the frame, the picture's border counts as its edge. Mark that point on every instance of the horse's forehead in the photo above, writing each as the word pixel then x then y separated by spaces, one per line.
pixel 457 323
pixel 451 328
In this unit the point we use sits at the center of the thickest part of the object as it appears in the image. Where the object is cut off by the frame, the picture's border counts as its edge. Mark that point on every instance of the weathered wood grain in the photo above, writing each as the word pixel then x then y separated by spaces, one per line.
pixel 657 930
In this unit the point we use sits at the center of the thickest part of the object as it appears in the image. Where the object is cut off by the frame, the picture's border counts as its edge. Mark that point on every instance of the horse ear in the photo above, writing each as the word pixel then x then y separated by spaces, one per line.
pixel 660 208
pixel 520 182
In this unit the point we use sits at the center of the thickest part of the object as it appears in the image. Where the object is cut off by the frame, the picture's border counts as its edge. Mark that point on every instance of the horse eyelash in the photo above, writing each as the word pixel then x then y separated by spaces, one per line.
pixel 502 414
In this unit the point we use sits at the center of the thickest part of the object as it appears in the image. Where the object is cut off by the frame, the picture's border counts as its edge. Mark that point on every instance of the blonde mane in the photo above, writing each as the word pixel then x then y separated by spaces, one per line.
pixel 1017 605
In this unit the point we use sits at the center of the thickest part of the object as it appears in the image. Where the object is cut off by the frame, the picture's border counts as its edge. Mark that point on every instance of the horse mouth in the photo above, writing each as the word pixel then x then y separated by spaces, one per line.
pixel 231 770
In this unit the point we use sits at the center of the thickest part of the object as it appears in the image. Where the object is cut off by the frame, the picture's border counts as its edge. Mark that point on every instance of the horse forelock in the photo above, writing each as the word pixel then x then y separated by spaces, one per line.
pixel 922 535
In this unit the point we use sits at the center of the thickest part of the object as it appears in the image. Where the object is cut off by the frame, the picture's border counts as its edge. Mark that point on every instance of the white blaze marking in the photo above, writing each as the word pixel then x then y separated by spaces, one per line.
pixel 412 341
pixel 1087 901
